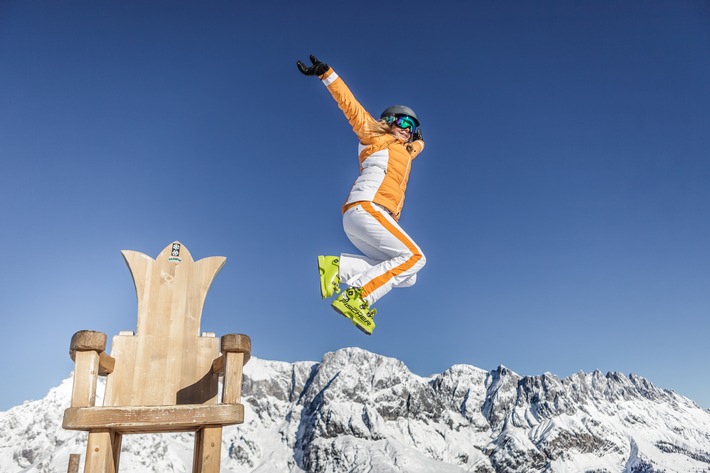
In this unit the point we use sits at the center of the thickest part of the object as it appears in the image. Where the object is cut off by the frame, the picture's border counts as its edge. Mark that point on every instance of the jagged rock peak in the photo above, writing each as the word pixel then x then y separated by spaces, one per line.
pixel 356 411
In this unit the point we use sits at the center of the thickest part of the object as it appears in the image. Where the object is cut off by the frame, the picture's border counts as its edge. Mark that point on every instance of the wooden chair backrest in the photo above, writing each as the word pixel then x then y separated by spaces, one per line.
pixel 166 362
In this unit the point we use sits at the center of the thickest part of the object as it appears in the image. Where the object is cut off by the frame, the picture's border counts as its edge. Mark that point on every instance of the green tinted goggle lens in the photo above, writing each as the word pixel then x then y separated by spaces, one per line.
pixel 405 122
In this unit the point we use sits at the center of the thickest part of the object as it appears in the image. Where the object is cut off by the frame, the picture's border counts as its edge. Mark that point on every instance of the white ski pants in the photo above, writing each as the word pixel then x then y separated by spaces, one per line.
pixel 392 259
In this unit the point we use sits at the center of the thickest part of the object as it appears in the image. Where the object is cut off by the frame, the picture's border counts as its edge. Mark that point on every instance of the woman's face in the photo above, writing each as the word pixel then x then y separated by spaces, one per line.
pixel 401 133
pixel 402 127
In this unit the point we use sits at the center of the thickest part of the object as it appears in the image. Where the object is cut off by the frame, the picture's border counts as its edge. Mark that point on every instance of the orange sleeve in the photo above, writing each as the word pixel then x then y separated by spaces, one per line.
pixel 363 124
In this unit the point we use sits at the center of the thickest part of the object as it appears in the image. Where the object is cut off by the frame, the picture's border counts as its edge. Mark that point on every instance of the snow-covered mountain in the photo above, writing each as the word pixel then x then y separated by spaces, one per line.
pixel 356 411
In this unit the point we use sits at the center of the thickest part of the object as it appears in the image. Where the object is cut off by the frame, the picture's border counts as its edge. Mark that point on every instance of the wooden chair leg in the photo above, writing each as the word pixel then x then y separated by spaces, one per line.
pixel 208 450
pixel 116 442
pixel 102 452
pixel 74 460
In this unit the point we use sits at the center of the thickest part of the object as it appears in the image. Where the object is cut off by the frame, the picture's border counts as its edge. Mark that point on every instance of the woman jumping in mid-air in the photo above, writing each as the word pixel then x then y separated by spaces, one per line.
pixel 370 214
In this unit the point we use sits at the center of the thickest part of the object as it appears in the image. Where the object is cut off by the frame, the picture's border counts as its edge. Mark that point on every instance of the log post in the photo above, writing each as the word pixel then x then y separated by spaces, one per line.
pixel 236 349
pixel 208 449
pixel 85 349
pixel 73 463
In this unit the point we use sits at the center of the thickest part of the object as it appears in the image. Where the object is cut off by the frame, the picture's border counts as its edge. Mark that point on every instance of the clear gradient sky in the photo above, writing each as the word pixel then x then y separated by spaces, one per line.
pixel 562 200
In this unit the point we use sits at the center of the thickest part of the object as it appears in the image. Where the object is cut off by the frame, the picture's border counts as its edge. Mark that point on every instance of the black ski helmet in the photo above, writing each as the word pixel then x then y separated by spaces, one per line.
pixel 395 110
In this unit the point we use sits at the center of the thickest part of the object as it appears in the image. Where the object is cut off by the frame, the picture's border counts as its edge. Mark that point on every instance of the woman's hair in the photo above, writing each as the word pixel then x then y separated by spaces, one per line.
pixel 377 128
pixel 382 128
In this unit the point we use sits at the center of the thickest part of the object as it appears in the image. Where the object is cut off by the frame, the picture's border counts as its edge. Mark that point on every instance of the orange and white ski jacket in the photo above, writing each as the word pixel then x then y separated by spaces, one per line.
pixel 385 161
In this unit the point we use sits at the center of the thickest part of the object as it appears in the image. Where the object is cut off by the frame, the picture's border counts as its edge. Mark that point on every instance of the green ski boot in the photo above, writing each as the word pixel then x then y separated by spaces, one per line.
pixel 350 304
pixel 329 268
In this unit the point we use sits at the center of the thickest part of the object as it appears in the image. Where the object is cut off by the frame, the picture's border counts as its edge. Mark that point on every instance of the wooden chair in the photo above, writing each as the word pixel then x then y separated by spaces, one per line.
pixel 163 378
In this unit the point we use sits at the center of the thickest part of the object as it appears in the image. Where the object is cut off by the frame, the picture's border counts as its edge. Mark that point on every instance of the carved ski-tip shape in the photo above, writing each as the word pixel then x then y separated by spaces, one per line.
pixel 174 266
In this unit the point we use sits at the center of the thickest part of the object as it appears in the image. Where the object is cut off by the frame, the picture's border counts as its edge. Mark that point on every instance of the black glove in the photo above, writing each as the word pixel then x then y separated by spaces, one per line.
pixel 417 135
pixel 317 69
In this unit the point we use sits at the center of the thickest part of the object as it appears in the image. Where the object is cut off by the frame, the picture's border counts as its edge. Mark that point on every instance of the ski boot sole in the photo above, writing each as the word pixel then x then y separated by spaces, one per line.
pixel 356 324
pixel 364 323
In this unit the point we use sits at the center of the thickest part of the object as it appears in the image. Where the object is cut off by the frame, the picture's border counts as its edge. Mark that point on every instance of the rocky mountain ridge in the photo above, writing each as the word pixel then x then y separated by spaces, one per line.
pixel 356 411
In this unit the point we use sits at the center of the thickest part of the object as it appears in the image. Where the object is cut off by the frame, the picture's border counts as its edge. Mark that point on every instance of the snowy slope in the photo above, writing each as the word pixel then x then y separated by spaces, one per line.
pixel 356 411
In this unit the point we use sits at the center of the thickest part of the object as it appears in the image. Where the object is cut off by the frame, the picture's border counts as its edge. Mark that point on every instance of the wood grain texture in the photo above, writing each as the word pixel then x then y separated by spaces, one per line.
pixel 163 377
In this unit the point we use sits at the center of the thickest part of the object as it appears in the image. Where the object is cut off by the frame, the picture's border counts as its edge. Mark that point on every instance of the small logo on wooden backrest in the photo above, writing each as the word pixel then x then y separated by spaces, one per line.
pixel 175 253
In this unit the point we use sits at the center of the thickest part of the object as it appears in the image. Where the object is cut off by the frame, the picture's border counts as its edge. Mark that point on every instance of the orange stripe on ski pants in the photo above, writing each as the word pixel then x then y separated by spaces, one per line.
pixel 381 280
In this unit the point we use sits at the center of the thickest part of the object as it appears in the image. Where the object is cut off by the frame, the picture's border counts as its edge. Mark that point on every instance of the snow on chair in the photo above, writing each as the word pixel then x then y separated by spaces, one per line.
pixel 163 378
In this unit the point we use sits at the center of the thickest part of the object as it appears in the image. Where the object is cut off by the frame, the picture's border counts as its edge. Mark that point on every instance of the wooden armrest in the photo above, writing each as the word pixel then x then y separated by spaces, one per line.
pixel 152 419
pixel 237 343
pixel 232 343
pixel 236 351
pixel 89 340
pixel 87 351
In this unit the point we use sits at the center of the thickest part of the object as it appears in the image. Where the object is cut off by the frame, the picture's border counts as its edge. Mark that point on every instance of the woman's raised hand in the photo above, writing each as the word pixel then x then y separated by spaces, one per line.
pixel 318 68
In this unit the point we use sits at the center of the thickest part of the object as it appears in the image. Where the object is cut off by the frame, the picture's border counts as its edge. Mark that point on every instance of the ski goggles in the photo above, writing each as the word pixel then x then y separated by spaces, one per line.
pixel 404 122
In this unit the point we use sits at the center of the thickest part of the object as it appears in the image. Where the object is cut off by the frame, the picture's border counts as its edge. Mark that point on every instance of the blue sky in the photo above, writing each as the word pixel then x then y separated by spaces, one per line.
pixel 562 199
